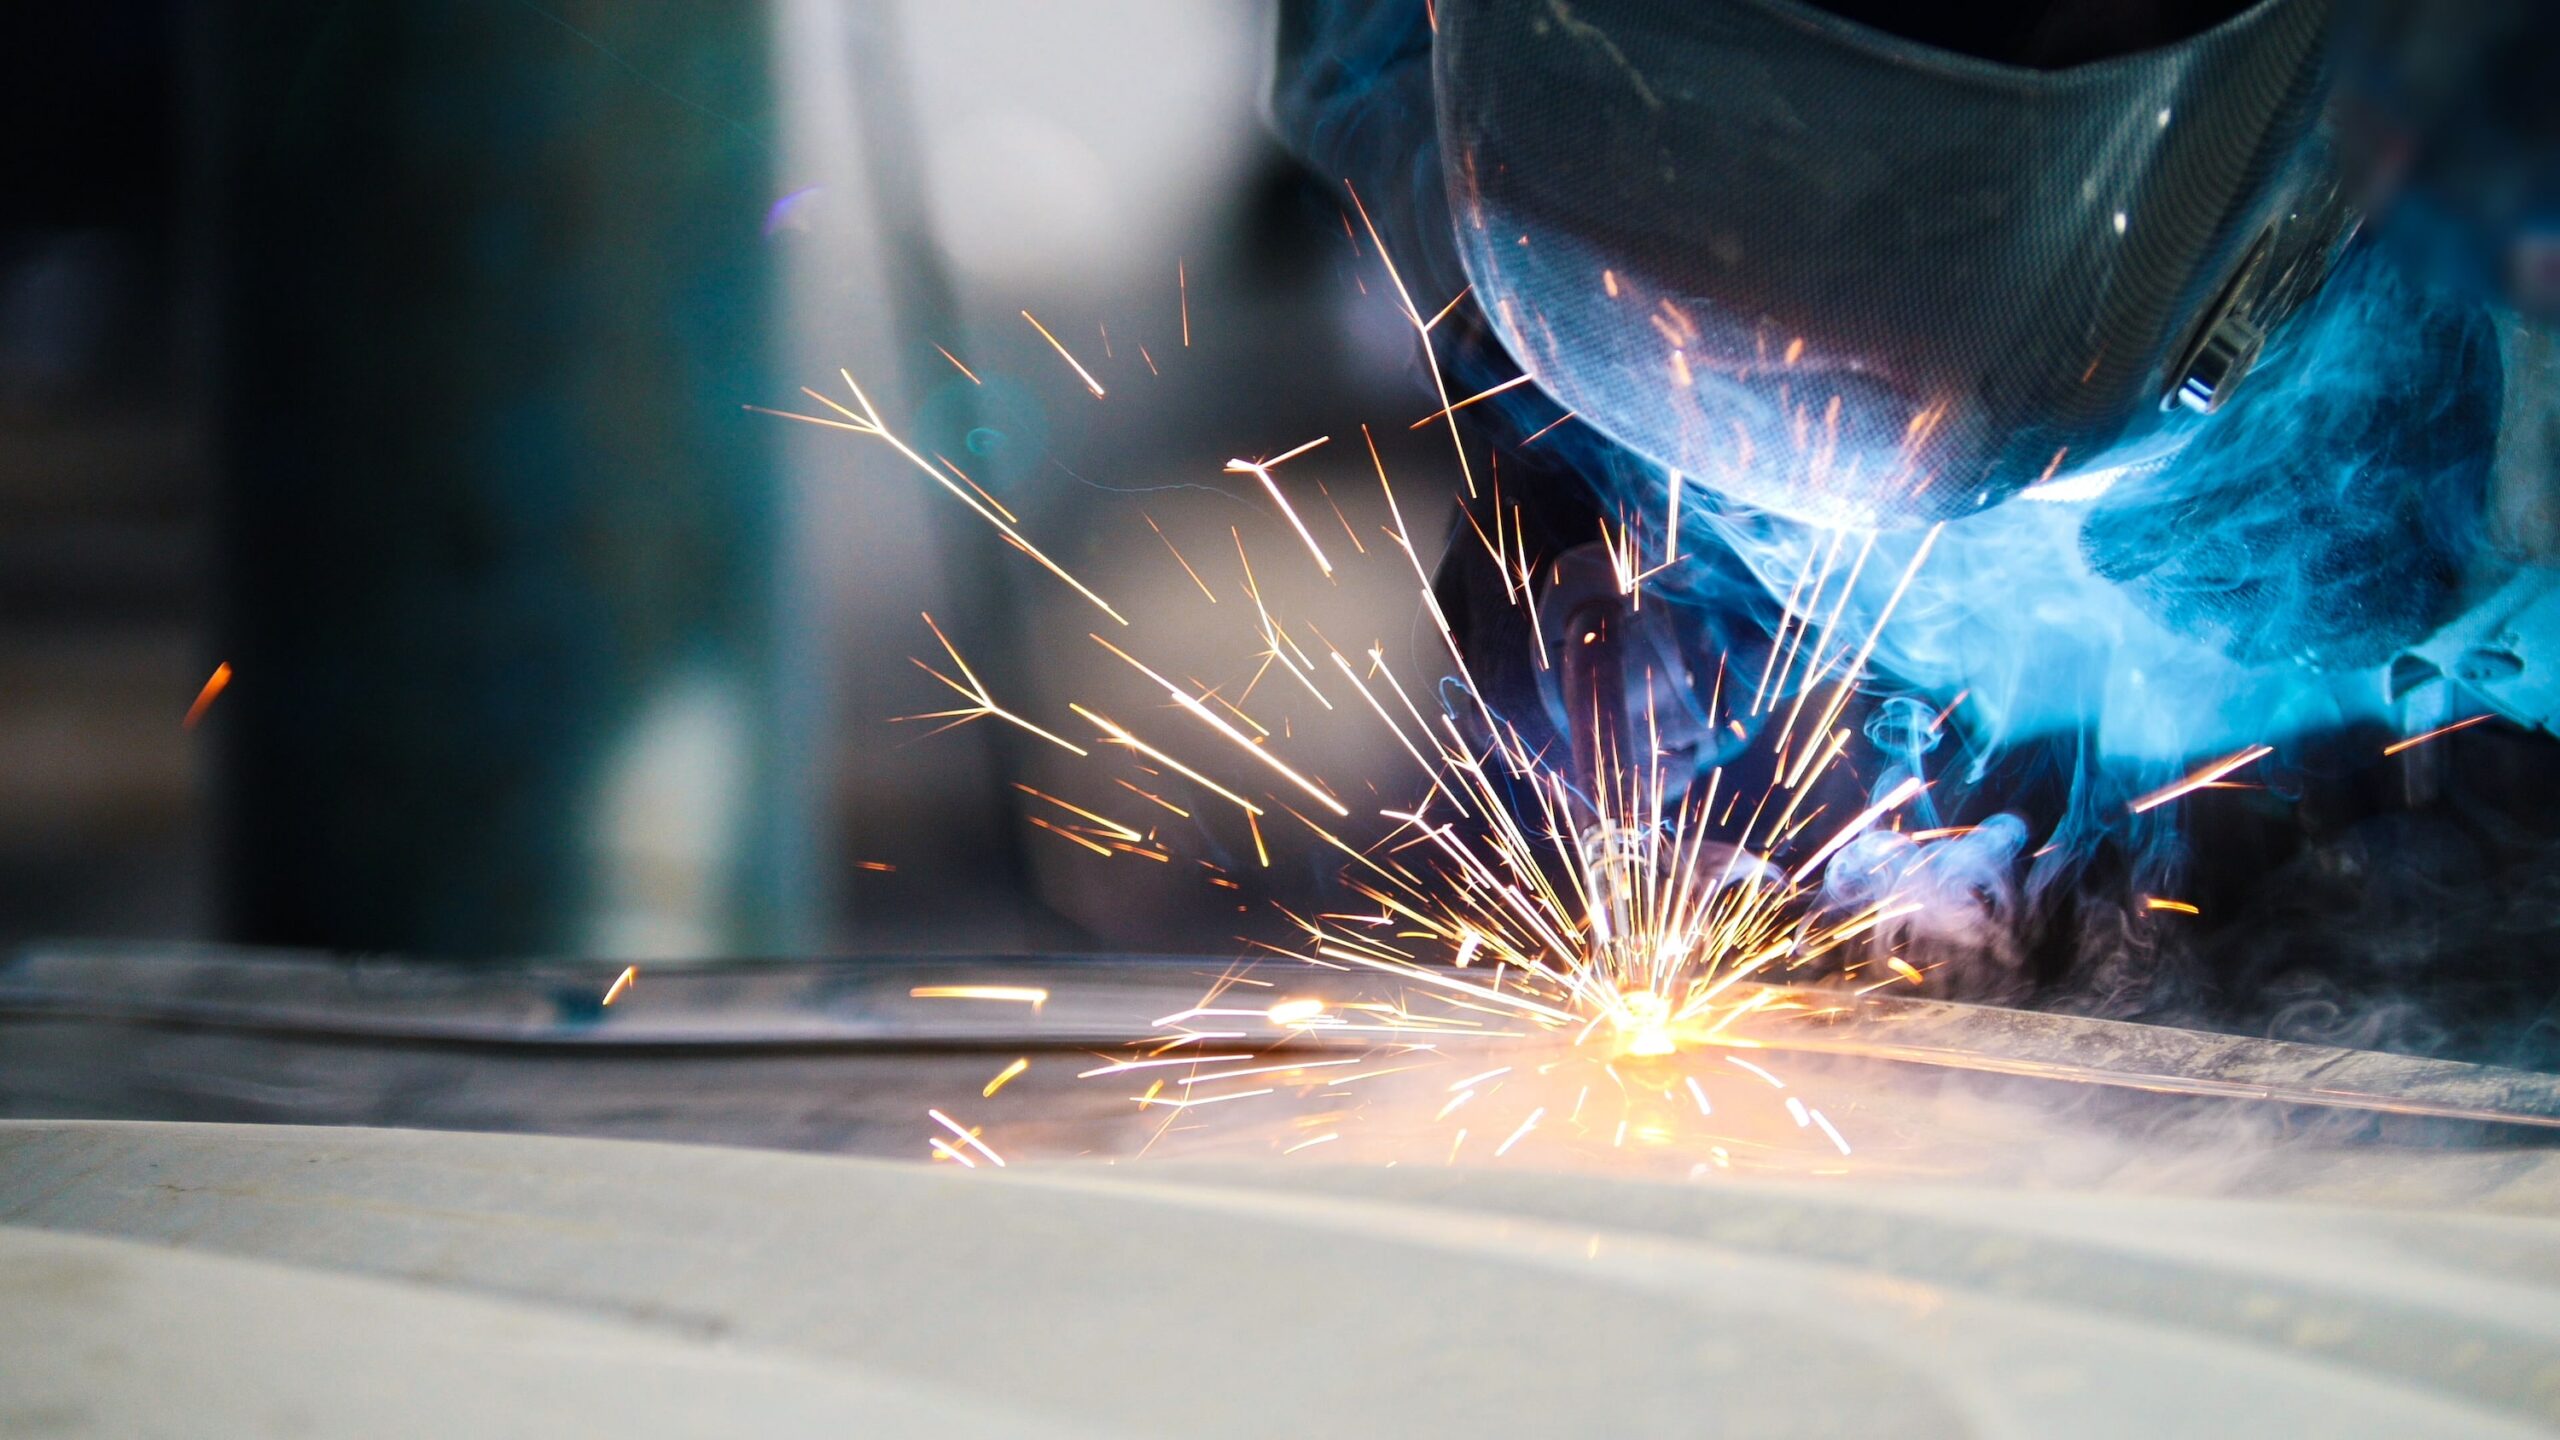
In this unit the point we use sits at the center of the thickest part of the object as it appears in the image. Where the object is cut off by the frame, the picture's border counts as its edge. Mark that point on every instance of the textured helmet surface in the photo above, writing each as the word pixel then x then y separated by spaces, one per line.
pixel 1845 276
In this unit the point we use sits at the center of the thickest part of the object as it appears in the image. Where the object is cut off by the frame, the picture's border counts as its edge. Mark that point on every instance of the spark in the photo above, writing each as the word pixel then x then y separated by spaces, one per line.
pixel 214 684
pixel 1463 292
pixel 621 983
pixel 1510 902
pixel 1120 734
pixel 868 423
pixel 967 1136
pixel 1112 826
pixel 1005 1076
pixel 963 369
pixel 1122 1066
pixel 1261 470
pixel 1081 373
pixel 1182 284
pixel 2414 741
pixel 2201 778
pixel 1522 1133
pixel 982 705
pixel 1031 995
pixel 1737 1060
pixel 2154 902
pixel 1070 836
pixel 1196 1101
pixel 979 490
pixel 1288 1068
pixel 1513 383
pixel 1205 592
pixel 1893 800
pixel 1550 425
pixel 1422 331
pixel 1192 706
pixel 1310 1144
pixel 1297 1011
pixel 1150 795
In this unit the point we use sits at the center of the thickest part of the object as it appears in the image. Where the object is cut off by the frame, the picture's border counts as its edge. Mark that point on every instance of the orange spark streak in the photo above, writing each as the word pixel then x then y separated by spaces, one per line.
pixel 1151 1099
pixel 981 489
pixel 1858 666
pixel 1261 470
pixel 1182 283
pixel 967 1137
pixel 621 983
pixel 1118 1067
pixel 963 369
pixel 1192 706
pixel 1910 786
pixel 1422 331
pixel 1114 826
pixel 2201 778
pixel 214 685
pixel 1081 373
pixel 981 703
pixel 1005 1076
pixel 1550 425
pixel 1281 1069
pixel 1463 292
pixel 1522 1133
pixel 869 423
pixel 1513 383
pixel 1064 833
pixel 1120 733
pixel 1031 995
pixel 1353 535
pixel 1177 556
pixel 1756 1070
pixel 2154 902
pixel 2414 741
pixel 1158 799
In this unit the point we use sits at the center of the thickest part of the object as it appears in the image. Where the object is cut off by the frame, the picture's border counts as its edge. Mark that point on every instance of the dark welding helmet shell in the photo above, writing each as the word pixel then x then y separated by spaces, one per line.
pixel 1849 277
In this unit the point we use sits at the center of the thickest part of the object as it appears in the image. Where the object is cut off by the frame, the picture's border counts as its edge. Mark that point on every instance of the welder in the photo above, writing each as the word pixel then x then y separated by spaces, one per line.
pixel 2207 343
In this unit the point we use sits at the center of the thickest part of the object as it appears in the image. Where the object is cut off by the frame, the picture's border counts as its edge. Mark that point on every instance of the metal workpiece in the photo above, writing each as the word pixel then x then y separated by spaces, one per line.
pixel 846 1054
pixel 1277 1298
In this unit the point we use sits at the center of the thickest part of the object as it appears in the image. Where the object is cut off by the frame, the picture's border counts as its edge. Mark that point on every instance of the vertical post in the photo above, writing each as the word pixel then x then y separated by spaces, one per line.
pixel 499 543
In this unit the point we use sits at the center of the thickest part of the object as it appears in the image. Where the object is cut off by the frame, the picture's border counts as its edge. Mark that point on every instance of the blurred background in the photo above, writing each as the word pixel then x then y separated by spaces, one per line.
pixel 399 355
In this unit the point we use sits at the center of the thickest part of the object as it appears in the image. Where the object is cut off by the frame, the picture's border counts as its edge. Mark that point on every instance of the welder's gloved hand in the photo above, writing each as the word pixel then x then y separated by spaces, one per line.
pixel 2325 518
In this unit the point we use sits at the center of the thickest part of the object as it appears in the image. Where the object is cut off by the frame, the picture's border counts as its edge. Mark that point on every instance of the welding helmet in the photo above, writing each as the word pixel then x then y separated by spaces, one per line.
pixel 1884 276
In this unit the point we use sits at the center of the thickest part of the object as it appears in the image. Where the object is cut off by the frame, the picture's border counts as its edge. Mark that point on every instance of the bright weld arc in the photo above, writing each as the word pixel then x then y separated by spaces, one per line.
pixel 1485 866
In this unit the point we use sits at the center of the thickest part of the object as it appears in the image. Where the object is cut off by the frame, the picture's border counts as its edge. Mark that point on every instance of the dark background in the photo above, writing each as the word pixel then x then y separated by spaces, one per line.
pixel 397 354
